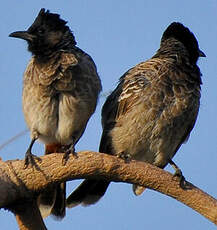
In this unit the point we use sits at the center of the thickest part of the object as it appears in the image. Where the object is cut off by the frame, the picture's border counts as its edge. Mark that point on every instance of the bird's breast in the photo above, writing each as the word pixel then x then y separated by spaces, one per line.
pixel 58 109
pixel 40 107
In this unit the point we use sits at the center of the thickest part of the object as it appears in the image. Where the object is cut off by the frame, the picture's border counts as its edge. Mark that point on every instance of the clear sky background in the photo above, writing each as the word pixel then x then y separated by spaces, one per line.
pixel 118 35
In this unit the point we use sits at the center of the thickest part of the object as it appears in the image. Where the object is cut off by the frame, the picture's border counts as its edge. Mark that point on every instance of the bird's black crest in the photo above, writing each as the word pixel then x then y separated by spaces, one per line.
pixel 50 20
pixel 184 35
pixel 181 33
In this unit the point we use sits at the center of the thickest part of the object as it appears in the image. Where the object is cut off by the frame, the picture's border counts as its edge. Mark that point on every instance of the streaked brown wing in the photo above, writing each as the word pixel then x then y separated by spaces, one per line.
pixel 122 100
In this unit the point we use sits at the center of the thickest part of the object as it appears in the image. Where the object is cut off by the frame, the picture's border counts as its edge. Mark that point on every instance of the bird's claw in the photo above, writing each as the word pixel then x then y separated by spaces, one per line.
pixel 126 157
pixel 69 151
pixel 30 159
pixel 178 174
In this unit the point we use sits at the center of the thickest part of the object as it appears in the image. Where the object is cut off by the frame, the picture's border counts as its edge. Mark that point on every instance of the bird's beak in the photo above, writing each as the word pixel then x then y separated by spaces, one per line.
pixel 22 35
pixel 201 54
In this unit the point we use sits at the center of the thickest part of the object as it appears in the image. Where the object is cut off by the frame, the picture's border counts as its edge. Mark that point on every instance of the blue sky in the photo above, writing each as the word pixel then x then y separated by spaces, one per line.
pixel 118 35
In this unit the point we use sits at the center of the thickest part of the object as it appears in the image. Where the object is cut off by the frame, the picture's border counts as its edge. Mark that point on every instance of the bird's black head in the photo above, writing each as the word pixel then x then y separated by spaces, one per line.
pixel 181 33
pixel 46 35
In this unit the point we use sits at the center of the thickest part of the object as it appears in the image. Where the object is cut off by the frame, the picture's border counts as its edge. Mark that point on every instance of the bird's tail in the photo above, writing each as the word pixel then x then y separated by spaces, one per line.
pixel 53 199
pixel 59 206
pixel 88 192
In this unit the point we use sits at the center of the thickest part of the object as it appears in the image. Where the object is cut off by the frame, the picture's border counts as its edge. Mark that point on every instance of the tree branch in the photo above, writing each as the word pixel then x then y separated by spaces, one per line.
pixel 17 183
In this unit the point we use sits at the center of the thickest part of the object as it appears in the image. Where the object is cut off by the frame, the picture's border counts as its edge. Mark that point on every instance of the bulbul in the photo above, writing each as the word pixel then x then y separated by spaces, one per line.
pixel 152 110
pixel 60 92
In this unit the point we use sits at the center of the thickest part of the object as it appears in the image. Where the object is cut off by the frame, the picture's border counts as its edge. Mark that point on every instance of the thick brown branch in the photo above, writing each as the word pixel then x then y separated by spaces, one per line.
pixel 18 183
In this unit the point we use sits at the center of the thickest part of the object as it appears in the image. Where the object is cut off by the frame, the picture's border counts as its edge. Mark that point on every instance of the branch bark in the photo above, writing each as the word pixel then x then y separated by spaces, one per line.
pixel 18 183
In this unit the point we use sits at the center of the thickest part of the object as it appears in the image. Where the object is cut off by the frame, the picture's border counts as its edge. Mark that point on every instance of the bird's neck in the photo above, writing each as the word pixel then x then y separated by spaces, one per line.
pixel 174 49
pixel 177 52
pixel 67 44
pixel 43 59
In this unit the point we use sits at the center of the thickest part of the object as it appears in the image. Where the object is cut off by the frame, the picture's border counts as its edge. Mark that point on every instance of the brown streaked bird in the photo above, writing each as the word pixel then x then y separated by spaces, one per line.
pixel 60 92
pixel 152 110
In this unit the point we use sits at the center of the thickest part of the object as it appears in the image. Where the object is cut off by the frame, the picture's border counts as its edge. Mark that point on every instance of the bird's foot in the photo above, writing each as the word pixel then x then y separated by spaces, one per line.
pixel 126 157
pixel 70 150
pixel 181 178
pixel 178 174
pixel 30 159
